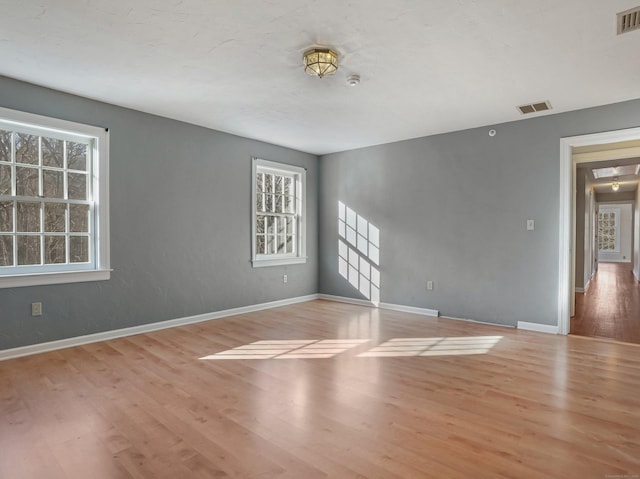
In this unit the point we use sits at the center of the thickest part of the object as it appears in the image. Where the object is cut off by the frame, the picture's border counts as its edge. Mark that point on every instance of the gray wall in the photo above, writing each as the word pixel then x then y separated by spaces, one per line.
pixel 180 226
pixel 636 236
pixel 452 208
pixel 582 213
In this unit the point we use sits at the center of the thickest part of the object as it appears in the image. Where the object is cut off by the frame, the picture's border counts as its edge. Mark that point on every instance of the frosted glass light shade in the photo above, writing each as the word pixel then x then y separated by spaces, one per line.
pixel 320 62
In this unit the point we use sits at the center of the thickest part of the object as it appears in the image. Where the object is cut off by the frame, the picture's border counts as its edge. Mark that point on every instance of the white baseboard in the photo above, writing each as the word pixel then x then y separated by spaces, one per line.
pixel 410 309
pixel 636 274
pixel 487 323
pixel 540 328
pixel 344 299
pixel 371 304
pixel 145 328
pixel 580 290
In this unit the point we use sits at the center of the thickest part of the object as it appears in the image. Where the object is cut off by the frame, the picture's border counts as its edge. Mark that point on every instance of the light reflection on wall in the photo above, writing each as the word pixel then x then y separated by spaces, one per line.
pixel 359 252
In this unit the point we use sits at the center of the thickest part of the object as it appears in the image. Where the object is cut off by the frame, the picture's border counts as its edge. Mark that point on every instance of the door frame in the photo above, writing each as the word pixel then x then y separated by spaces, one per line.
pixel 566 253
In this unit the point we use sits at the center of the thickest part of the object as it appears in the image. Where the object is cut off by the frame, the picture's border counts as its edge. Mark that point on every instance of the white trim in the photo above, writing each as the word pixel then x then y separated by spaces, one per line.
pixel 566 256
pixel 344 299
pixel 389 306
pixel 98 170
pixel 540 328
pixel 145 328
pixel 580 290
pixel 410 309
pixel 636 274
pixel 478 322
pixel 260 263
pixel 39 279
pixel 300 175
pixel 612 260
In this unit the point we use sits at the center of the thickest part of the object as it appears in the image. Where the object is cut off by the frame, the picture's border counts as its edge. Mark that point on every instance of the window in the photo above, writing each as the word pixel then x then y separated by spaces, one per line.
pixel 53 201
pixel 278 233
pixel 609 230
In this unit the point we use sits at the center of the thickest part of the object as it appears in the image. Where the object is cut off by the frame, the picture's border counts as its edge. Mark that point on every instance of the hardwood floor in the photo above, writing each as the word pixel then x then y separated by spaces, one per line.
pixel 611 307
pixel 419 397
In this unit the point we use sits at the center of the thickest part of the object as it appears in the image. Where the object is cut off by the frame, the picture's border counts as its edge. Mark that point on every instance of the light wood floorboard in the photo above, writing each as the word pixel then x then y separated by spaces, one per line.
pixel 531 405
pixel 611 307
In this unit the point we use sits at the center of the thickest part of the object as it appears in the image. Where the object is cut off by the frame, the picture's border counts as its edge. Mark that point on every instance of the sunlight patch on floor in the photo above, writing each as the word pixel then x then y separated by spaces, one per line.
pixel 328 348
pixel 289 349
pixel 465 345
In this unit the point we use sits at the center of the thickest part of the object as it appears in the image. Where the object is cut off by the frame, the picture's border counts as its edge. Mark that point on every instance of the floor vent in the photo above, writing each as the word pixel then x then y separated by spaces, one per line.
pixel 629 20
pixel 534 107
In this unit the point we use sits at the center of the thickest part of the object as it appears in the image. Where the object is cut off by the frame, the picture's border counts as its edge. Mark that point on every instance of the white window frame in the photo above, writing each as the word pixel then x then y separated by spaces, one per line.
pixel 616 214
pixel 98 268
pixel 299 174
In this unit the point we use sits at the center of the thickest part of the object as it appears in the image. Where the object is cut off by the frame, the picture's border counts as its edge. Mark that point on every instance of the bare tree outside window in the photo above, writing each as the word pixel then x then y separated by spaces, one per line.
pixel 45 193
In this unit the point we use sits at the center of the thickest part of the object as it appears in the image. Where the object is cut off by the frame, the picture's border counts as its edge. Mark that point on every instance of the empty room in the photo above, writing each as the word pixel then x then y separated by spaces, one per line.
pixel 302 239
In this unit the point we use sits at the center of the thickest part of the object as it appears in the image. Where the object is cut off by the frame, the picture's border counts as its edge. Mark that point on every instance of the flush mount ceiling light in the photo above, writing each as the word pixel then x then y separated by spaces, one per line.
pixel 615 186
pixel 320 62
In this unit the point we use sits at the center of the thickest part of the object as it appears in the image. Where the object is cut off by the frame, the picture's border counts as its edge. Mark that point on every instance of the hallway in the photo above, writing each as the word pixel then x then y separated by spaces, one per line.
pixel 611 307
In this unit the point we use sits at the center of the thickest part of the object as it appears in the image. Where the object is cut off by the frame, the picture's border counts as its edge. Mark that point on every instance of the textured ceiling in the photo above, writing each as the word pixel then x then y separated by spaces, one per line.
pixel 235 65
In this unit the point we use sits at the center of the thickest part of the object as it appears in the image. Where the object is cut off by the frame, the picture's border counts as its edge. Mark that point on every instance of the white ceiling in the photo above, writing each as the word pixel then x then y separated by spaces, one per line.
pixel 236 65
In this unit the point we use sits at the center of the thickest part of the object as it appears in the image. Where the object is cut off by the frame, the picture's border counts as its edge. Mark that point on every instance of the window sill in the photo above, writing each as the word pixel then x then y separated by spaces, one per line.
pixel 40 279
pixel 260 263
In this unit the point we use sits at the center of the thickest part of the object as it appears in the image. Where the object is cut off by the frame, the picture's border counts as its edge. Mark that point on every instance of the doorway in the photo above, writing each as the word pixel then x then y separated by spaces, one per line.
pixel 622 146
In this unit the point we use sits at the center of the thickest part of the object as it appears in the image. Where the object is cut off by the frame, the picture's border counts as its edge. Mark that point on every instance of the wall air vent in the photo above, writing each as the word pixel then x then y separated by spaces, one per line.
pixel 534 107
pixel 628 20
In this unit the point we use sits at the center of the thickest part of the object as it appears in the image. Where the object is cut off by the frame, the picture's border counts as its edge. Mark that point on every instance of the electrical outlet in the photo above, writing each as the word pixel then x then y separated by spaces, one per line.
pixel 284 278
pixel 531 225
pixel 36 309
pixel 429 285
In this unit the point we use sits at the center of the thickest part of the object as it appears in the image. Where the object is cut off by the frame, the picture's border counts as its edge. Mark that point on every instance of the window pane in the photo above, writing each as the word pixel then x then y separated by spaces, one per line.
pixel 289 204
pixel 290 244
pixel 260 202
pixel 79 218
pixel 282 242
pixel 260 244
pixel 6 216
pixel 28 216
pixel 26 149
pixel 268 183
pixel 259 182
pixel 277 203
pixel 5 180
pixel 271 225
pixel 271 244
pixel 77 186
pixel 269 203
pixel 288 186
pixel 282 225
pixel 52 152
pixel 54 249
pixel 54 217
pixel 27 182
pixel 279 184
pixel 5 145
pixel 290 222
pixel 28 250
pixel 53 184
pixel 6 250
pixel 260 224
pixel 79 249
pixel 76 156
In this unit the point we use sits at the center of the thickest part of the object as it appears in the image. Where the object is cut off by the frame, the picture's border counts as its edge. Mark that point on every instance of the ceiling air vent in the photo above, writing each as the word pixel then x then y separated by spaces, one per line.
pixel 534 107
pixel 628 20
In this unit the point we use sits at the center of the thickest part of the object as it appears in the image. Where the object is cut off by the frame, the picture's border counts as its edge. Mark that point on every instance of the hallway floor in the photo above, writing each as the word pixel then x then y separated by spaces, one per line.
pixel 611 307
